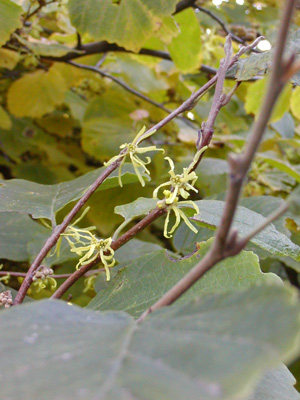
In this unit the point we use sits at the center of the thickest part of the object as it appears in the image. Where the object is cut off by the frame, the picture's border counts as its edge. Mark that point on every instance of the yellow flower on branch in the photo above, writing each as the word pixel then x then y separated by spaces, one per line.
pixel 175 207
pixel 86 245
pixel 132 150
pixel 182 183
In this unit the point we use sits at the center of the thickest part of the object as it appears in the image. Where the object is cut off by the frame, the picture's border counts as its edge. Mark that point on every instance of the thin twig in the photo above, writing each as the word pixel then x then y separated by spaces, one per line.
pixel 226 242
pixel 223 26
pixel 129 89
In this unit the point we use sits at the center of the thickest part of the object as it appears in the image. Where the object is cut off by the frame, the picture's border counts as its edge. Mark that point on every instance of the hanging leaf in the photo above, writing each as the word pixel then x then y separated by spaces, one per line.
pixel 187 58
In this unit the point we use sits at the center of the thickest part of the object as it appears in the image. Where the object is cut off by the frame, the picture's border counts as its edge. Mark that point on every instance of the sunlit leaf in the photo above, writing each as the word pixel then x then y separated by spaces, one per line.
pixel 255 95
pixel 36 94
pixel 187 57
pixel 120 23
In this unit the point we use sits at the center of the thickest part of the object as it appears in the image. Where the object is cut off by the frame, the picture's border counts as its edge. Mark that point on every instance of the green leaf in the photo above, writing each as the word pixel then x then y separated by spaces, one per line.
pixel 285 126
pixel 43 201
pixel 10 14
pixel 16 233
pixel 76 104
pixel 9 59
pixel 215 348
pixel 249 67
pixel 21 238
pixel 284 166
pixel 277 384
pixel 103 132
pixel 245 221
pixel 146 279
pixel 5 121
pixel 120 23
pixel 187 58
pixel 255 95
pixel 140 206
pixel 36 93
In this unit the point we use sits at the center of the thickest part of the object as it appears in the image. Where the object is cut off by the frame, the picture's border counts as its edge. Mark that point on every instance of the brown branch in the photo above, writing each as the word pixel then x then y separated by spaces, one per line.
pixel 130 90
pixel 226 242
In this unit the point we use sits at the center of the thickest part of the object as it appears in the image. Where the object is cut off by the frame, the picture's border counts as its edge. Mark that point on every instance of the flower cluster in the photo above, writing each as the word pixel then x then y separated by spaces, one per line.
pixel 133 150
pixel 180 185
pixel 86 245
pixel 176 206
pixel 6 299
pixel 41 278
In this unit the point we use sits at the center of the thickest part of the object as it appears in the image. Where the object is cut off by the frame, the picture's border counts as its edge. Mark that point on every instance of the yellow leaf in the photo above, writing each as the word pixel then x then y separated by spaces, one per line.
pixel 295 102
pixel 9 19
pixel 36 94
pixel 8 59
pixel 186 48
pixel 255 95
pixel 5 122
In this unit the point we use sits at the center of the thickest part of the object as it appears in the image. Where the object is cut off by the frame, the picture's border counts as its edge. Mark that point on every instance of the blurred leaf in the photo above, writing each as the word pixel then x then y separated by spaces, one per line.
pixel 156 273
pixel 16 233
pixel 283 166
pixel 295 101
pixel 36 93
pixel 245 221
pixel 65 344
pixel 285 126
pixel 9 59
pixel 277 384
pixel 120 23
pixel 76 104
pixel 255 95
pixel 187 58
pixel 10 14
pixel 249 67
pixel 107 125
pixel 47 48
pixel 5 121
